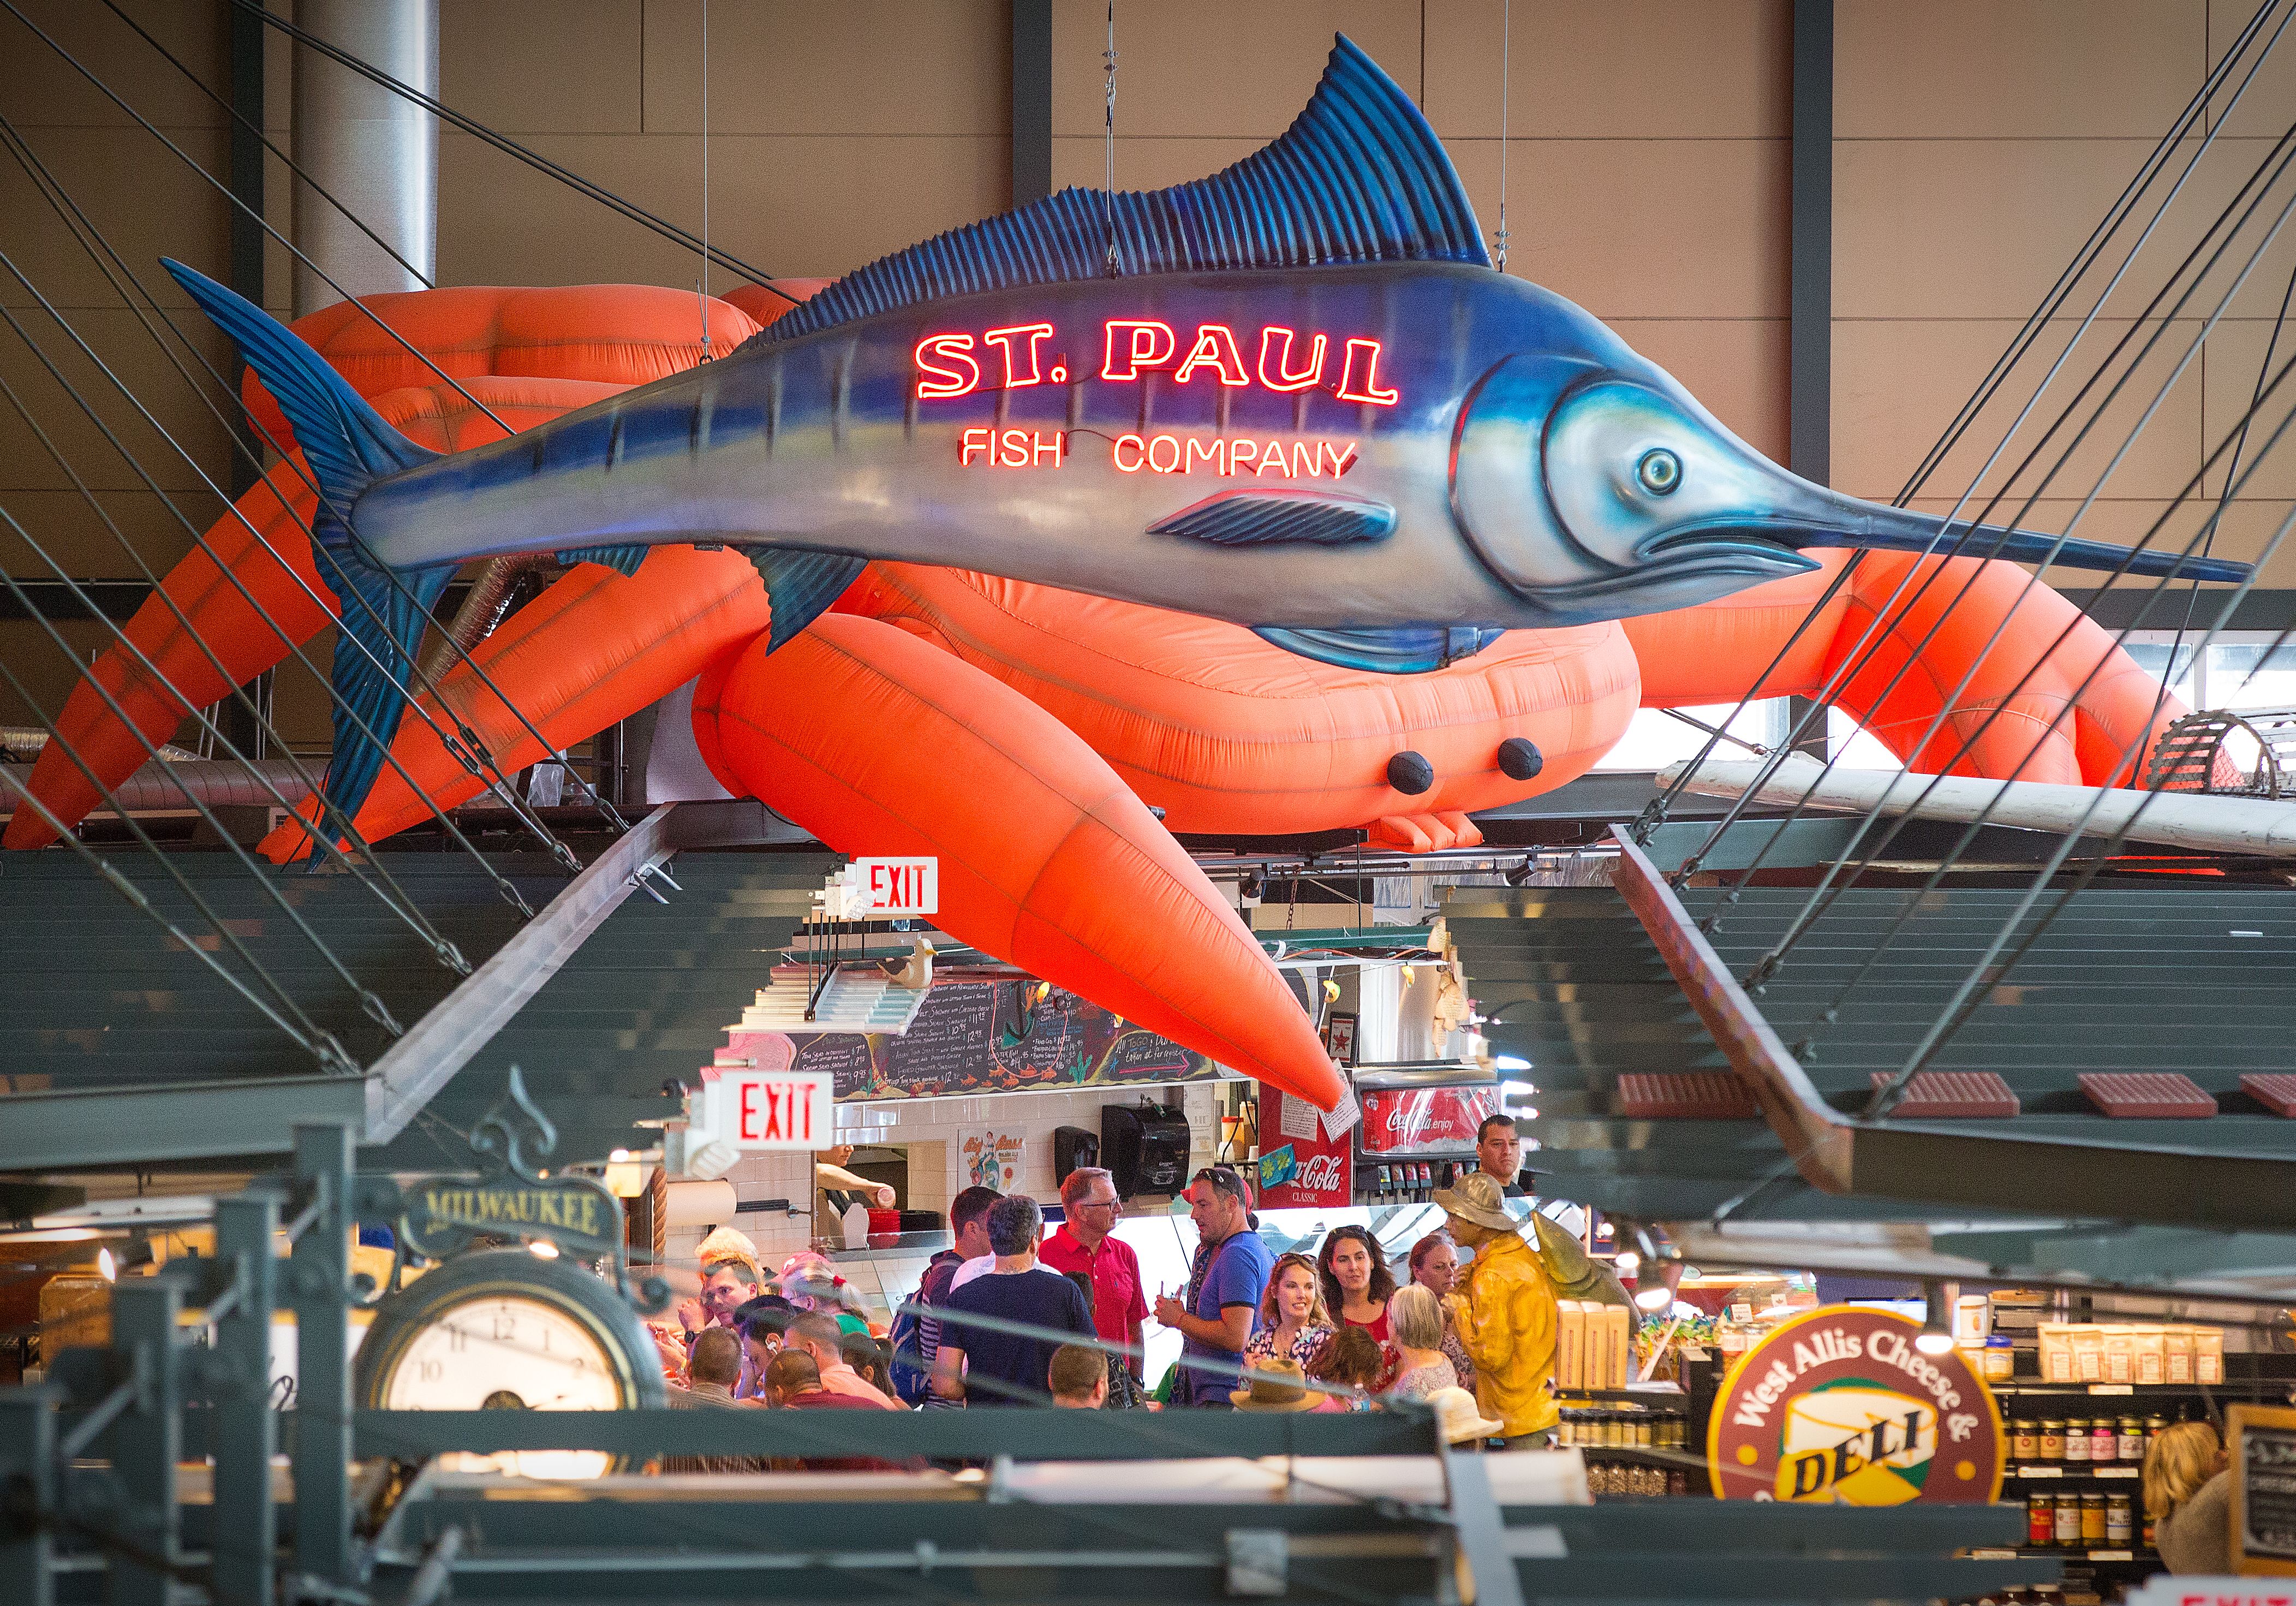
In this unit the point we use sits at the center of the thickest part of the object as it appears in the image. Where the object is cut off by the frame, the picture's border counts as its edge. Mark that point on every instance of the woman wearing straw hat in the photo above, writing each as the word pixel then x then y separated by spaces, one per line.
pixel 1504 1313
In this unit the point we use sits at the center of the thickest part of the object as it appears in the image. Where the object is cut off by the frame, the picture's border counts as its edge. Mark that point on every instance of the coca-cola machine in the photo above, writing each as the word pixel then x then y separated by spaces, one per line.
pixel 1303 1163
pixel 1419 1126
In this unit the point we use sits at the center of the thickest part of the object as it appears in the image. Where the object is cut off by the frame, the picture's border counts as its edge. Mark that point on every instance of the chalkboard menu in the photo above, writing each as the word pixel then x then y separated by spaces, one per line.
pixel 2263 1456
pixel 997 1036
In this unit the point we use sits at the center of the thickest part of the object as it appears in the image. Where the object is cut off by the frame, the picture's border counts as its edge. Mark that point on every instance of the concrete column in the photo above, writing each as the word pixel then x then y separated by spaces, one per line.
pixel 374 150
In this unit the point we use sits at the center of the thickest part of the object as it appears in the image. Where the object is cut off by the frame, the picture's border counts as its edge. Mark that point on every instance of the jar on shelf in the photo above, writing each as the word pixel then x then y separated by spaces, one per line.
pixel 1677 1482
pixel 2076 1439
pixel 1643 1439
pixel 2120 1520
pixel 2131 1438
pixel 2053 1439
pixel 2041 1520
pixel 2104 1440
pixel 2092 1519
pixel 2155 1425
pixel 2069 1520
pixel 2025 1440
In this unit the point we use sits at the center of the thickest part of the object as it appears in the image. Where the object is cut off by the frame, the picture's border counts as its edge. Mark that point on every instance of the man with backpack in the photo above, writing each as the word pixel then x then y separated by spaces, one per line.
pixel 915 1338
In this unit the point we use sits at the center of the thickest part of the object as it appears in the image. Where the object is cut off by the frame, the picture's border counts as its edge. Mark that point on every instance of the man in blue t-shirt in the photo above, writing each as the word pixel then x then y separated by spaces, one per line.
pixel 986 1366
pixel 1225 1284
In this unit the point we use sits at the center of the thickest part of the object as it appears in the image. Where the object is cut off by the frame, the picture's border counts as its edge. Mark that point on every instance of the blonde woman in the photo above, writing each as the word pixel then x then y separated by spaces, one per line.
pixel 1294 1323
pixel 2188 1495
pixel 1416 1322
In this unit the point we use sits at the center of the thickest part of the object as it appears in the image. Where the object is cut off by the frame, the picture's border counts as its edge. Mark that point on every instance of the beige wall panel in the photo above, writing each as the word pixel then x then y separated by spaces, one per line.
pixel 1736 367
pixel 1213 67
pixel 1631 69
pixel 1898 385
pixel 787 205
pixel 301 705
pixel 1717 248
pixel 64 524
pixel 1144 164
pixel 544 66
pixel 2265 258
pixel 2262 111
pixel 940 67
pixel 123 346
pixel 38 87
pixel 145 202
pixel 2234 358
pixel 2014 69
pixel 1973 229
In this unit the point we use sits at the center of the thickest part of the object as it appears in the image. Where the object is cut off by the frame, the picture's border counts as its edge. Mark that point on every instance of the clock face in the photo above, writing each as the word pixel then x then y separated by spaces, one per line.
pixel 497 1352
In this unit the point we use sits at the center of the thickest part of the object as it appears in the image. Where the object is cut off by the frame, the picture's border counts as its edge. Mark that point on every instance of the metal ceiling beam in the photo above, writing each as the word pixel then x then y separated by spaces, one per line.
pixel 102 1126
pixel 413 1071
pixel 2171 1185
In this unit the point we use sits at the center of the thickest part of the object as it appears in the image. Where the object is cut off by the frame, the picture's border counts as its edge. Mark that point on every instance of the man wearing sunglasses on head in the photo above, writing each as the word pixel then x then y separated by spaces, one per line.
pixel 1224 1285
pixel 1087 1245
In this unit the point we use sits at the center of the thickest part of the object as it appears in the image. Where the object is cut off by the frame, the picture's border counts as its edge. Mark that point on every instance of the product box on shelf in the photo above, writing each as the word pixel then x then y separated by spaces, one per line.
pixel 1570 1344
pixel 2130 1352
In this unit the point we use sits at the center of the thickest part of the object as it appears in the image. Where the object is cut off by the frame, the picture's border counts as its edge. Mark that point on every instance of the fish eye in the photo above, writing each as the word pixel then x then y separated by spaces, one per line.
pixel 1659 471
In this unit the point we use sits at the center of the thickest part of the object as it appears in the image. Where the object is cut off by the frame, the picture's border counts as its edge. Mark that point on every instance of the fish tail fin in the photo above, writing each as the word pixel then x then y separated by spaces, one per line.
pixel 348 446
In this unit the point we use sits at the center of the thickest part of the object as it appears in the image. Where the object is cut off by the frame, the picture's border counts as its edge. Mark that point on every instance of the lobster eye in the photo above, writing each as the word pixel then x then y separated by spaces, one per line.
pixel 1659 471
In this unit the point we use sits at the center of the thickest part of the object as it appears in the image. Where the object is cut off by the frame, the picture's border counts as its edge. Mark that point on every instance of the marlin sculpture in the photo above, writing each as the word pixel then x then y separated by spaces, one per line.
pixel 1293 395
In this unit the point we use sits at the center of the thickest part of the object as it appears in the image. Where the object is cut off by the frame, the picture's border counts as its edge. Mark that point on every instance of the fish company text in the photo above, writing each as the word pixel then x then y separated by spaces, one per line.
pixel 1163 454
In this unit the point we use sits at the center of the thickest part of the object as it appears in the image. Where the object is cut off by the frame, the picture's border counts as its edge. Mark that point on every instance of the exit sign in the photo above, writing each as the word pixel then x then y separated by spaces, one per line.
pixel 892 888
pixel 757 1109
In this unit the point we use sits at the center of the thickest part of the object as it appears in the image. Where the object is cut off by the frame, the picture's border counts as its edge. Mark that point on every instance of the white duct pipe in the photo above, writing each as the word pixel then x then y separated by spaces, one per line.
pixel 375 151
pixel 2184 819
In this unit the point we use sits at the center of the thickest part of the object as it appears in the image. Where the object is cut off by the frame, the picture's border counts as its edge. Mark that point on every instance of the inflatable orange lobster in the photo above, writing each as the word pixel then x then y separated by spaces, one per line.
pixel 1022 734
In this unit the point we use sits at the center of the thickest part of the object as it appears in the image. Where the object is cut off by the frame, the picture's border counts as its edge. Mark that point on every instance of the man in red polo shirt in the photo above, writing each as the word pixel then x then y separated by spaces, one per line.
pixel 1085 1244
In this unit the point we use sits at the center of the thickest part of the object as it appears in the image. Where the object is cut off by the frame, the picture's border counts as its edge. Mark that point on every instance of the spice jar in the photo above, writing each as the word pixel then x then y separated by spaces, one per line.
pixel 2092 1519
pixel 2041 1520
pixel 2120 1520
pixel 2025 1440
pixel 1643 1428
pixel 2132 1438
pixel 2104 1440
pixel 2069 1519
pixel 2053 1439
pixel 2077 1438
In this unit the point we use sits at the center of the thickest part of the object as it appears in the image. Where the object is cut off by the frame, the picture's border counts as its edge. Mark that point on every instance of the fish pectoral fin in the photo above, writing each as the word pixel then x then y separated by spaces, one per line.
pixel 1409 649
pixel 802 585
pixel 1268 517
pixel 623 559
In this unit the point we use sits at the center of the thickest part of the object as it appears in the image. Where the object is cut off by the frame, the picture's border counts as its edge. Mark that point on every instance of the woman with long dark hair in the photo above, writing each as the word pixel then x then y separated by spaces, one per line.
pixel 1356 1286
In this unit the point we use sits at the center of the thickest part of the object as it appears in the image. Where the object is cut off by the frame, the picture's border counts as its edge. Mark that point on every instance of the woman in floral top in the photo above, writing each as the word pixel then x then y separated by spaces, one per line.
pixel 1294 1323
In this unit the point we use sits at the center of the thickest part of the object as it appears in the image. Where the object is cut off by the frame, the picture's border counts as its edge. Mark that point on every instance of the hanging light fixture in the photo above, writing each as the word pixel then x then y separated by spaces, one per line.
pixel 1936 1337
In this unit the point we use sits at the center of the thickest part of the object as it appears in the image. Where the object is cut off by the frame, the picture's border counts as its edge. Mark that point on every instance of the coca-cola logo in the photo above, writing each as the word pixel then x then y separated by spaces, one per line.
pixel 1409 1121
pixel 1320 1175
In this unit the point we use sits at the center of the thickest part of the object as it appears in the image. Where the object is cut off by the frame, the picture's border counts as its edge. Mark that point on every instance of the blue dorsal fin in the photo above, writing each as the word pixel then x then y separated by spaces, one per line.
pixel 1359 177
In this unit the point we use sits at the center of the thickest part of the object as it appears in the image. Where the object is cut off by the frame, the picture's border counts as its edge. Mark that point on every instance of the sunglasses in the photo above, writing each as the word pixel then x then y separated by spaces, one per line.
pixel 1222 1177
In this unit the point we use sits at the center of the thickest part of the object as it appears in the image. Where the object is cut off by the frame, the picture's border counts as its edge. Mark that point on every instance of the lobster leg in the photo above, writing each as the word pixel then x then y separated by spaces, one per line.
pixel 878 743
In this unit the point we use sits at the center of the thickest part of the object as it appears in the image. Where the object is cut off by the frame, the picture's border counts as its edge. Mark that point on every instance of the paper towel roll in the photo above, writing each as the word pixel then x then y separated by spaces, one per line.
pixel 700 1204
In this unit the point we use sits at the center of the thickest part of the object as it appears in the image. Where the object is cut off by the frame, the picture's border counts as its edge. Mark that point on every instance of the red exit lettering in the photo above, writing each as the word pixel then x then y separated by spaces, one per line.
pixel 1288 360
pixel 772 1112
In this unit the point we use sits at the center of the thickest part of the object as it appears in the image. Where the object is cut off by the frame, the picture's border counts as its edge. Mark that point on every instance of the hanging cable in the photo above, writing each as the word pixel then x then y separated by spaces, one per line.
pixel 1875 632
pixel 1115 264
pixel 2285 151
pixel 1971 409
pixel 701 291
pixel 1506 83
pixel 360 861
pixel 606 810
pixel 509 147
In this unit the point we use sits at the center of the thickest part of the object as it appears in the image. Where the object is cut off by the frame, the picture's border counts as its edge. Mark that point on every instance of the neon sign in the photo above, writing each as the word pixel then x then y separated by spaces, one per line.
pixel 947 367
pixel 1163 454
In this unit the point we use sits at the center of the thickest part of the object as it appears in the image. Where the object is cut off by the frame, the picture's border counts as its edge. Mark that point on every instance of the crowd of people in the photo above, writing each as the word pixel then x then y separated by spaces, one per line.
pixel 1008 1315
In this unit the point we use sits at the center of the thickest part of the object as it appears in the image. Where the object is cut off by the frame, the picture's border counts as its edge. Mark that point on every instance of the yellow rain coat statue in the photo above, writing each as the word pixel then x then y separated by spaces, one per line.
pixel 1504 1309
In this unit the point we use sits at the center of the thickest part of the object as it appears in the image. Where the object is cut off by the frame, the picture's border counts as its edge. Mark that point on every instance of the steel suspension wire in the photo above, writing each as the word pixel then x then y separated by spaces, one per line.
pixel 233 112
pixel 1986 976
pixel 360 861
pixel 511 147
pixel 466 735
pixel 1963 421
pixel 1831 1011
pixel 306 1034
pixel 606 810
pixel 1871 641
pixel 1824 895
pixel 199 538
pixel 369 1000
pixel 394 899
